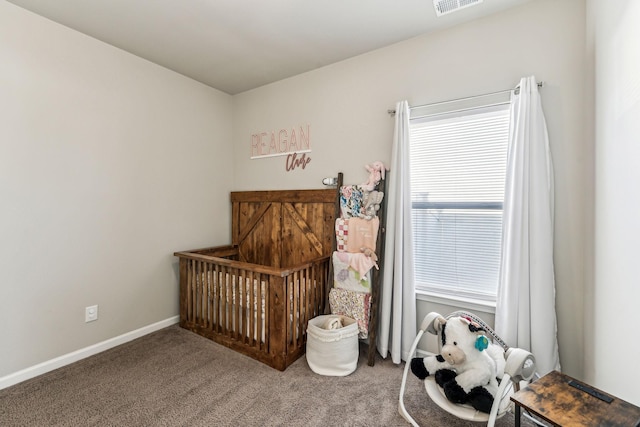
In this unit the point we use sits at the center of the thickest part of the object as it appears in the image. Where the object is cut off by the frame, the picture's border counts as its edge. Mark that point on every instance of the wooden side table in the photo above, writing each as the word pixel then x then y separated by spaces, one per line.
pixel 564 401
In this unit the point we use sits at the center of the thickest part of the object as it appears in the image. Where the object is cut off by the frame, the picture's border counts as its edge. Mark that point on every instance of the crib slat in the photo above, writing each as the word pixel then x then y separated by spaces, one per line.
pixel 192 290
pixel 237 280
pixel 206 281
pixel 205 294
pixel 223 300
pixel 263 309
pixel 314 294
pixel 237 303
pixel 198 284
pixel 313 305
pixel 324 280
pixel 217 298
pixel 214 297
pixel 202 276
pixel 234 303
pixel 304 315
pixel 201 289
pixel 228 329
pixel 251 310
pixel 194 300
pixel 209 299
pixel 196 280
pixel 246 308
pixel 311 292
pixel 188 290
pixel 297 307
pixel 242 308
pixel 196 293
pixel 300 312
pixel 307 303
pixel 229 303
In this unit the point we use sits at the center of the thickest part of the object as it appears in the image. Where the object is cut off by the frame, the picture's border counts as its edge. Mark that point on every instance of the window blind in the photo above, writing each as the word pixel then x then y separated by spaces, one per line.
pixel 458 166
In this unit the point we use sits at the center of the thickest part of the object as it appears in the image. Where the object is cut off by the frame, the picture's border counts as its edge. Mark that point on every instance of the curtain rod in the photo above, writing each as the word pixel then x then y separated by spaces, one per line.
pixel 517 89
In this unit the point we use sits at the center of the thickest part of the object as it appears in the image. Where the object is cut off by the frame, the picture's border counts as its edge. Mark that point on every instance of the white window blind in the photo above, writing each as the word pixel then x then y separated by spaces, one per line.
pixel 458 166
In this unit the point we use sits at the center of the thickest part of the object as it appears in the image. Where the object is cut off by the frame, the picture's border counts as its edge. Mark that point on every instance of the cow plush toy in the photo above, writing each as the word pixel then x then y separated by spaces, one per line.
pixel 468 365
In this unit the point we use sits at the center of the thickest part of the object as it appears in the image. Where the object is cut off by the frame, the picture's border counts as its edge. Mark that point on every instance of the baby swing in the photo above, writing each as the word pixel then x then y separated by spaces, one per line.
pixel 520 366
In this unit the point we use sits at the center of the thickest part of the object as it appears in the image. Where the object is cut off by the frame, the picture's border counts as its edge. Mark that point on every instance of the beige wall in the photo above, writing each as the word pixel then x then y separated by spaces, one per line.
pixel 108 164
pixel 346 104
pixel 612 345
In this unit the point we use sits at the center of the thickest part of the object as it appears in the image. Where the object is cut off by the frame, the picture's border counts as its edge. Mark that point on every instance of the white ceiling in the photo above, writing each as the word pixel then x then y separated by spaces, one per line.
pixel 237 45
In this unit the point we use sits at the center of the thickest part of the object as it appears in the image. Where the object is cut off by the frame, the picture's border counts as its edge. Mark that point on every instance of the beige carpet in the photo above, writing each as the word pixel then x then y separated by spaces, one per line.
pixel 176 378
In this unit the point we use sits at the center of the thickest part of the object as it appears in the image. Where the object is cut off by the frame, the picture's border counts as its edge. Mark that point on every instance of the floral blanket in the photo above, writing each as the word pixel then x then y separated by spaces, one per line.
pixel 355 305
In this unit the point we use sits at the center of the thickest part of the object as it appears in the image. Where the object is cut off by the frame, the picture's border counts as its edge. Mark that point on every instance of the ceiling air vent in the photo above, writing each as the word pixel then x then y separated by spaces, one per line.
pixel 447 6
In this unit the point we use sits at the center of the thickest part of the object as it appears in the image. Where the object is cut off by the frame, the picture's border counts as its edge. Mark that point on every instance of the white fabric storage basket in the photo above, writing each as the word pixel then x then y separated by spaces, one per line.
pixel 332 352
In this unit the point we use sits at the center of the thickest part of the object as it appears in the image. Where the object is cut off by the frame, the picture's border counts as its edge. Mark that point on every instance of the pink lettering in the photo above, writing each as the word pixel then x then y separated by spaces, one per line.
pixel 272 145
pixel 284 141
pixel 293 142
pixel 255 144
pixel 304 138
pixel 263 144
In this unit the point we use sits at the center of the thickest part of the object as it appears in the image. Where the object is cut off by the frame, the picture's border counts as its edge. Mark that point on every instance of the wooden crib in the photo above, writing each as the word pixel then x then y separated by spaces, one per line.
pixel 256 295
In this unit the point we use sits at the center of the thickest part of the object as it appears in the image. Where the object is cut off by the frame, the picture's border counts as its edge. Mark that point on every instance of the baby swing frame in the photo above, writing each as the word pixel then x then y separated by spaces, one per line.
pixel 520 366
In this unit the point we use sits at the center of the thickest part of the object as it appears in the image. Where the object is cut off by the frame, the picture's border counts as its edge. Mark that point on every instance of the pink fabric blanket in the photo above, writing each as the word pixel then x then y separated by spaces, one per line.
pixel 354 234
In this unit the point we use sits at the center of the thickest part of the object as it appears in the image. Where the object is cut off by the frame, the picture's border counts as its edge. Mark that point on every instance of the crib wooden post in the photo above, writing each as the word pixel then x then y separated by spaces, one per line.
pixel 183 291
pixel 278 317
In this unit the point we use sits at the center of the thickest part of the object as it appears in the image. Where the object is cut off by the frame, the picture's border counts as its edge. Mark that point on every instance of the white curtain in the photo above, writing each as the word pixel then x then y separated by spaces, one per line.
pixel 525 311
pixel 397 326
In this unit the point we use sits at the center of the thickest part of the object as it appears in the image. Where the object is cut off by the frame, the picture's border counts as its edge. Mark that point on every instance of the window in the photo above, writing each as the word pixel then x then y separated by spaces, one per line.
pixel 458 167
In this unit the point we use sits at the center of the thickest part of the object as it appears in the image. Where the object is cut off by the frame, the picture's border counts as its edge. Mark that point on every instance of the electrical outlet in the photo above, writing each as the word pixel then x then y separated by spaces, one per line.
pixel 91 313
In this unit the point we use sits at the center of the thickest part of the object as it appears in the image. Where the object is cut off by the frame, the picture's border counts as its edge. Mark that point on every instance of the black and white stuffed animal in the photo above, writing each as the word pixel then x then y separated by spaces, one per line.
pixel 468 365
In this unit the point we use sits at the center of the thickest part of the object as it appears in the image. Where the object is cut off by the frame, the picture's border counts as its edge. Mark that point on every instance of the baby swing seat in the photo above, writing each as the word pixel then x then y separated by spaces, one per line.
pixel 520 366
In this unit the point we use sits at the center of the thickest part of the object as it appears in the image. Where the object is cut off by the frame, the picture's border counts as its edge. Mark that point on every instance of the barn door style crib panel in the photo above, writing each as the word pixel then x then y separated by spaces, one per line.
pixel 283 228
pixel 262 310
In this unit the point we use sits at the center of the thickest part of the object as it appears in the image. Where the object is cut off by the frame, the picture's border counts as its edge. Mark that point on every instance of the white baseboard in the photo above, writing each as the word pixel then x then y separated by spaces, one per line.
pixel 67 359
